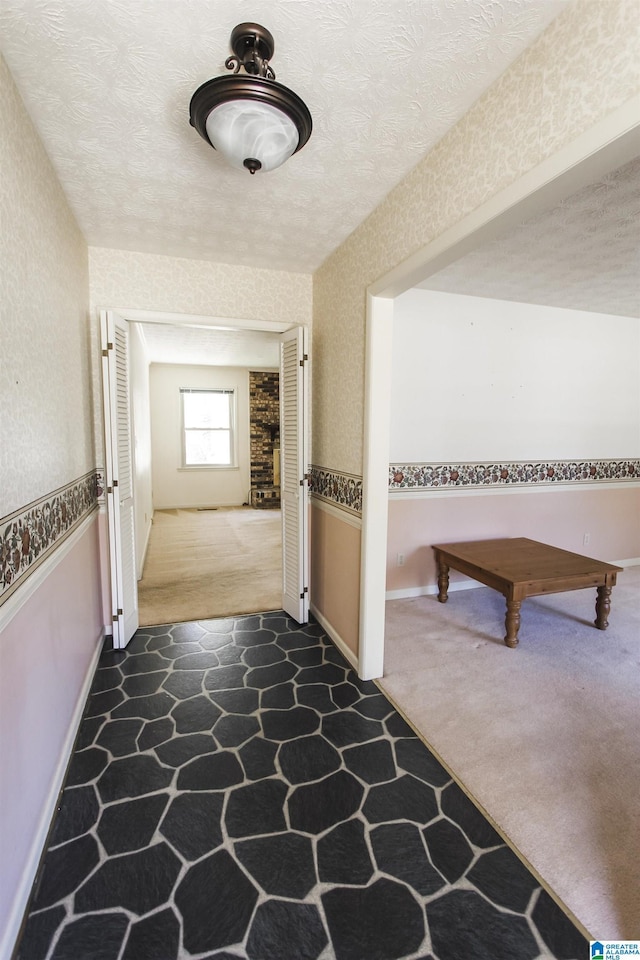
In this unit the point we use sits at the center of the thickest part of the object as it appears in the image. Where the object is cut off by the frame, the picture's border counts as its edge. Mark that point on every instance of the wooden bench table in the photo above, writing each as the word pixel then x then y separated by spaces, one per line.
pixel 520 568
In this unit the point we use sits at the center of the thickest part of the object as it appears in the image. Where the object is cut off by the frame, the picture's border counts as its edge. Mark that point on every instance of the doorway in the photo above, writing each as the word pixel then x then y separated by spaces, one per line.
pixel 205 534
pixel 609 146
pixel 238 341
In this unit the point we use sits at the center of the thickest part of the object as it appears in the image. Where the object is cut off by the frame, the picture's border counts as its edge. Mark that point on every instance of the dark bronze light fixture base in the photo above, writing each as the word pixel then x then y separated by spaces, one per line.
pixel 249 37
pixel 252 46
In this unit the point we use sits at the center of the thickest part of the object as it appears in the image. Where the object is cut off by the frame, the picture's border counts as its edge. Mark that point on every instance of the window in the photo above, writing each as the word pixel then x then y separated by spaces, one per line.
pixel 207 428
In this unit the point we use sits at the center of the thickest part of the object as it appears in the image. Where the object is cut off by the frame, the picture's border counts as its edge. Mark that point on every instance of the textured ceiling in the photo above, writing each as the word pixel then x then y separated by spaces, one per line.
pixel 583 254
pixel 255 349
pixel 108 85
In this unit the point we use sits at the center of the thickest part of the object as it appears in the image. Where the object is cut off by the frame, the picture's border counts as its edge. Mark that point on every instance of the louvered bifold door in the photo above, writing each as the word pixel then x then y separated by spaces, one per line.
pixel 119 478
pixel 293 477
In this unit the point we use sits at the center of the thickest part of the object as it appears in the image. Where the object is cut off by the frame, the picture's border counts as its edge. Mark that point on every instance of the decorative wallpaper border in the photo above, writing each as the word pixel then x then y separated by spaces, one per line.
pixel 31 534
pixel 341 489
pixel 431 476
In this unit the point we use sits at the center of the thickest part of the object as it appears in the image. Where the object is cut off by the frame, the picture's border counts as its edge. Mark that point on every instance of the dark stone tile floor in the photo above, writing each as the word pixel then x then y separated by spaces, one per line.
pixel 237 792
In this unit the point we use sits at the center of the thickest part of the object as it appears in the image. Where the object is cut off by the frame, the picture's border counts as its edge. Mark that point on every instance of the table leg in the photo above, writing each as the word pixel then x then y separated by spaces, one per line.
pixel 512 622
pixel 603 606
pixel 443 579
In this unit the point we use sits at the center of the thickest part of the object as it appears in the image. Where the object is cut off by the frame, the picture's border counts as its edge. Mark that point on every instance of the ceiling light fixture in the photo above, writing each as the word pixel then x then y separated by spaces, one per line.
pixel 255 122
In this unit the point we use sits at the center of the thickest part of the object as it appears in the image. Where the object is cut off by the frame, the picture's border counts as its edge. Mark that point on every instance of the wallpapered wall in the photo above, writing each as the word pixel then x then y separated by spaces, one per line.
pixel 46 430
pixel 143 281
pixel 579 70
pixel 51 628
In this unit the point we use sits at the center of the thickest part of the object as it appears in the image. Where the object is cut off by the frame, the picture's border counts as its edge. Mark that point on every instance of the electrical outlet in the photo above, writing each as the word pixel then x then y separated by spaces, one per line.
pixel 400 560
pixel 585 539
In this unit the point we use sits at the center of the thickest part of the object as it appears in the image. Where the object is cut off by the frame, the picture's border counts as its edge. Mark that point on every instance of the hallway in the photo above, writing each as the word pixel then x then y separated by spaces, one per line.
pixel 237 792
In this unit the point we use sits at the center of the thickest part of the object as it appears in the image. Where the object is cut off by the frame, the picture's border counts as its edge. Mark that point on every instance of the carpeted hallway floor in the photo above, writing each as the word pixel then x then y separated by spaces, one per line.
pixel 211 563
pixel 236 792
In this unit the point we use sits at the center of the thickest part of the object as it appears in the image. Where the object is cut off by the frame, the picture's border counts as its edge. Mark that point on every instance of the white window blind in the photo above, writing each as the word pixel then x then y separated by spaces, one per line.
pixel 208 427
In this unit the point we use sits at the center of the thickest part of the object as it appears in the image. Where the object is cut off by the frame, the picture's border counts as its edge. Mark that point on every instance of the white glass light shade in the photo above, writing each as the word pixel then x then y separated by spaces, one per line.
pixel 249 130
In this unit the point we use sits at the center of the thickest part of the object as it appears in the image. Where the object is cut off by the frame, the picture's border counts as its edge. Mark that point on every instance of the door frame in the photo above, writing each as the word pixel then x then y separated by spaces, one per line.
pixel 611 143
pixel 204 322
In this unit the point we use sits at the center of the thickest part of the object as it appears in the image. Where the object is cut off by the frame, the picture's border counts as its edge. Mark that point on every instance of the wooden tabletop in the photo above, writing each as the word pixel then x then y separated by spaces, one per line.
pixel 518 559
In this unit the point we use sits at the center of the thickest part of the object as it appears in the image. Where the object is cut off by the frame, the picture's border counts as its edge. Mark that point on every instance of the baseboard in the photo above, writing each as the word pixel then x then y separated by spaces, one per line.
pixel 198 506
pixel 430 589
pixel 335 637
pixel 32 866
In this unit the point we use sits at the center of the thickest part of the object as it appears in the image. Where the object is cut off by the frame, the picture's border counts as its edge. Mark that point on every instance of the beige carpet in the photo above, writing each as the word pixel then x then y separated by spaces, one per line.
pixel 545 737
pixel 211 563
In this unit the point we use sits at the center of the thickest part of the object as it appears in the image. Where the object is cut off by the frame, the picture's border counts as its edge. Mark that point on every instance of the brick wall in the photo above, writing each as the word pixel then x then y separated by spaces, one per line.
pixel 264 413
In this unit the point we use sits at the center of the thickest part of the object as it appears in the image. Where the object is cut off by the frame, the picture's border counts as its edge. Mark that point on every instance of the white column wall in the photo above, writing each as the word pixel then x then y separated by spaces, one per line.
pixel 141 428
pixel 481 380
